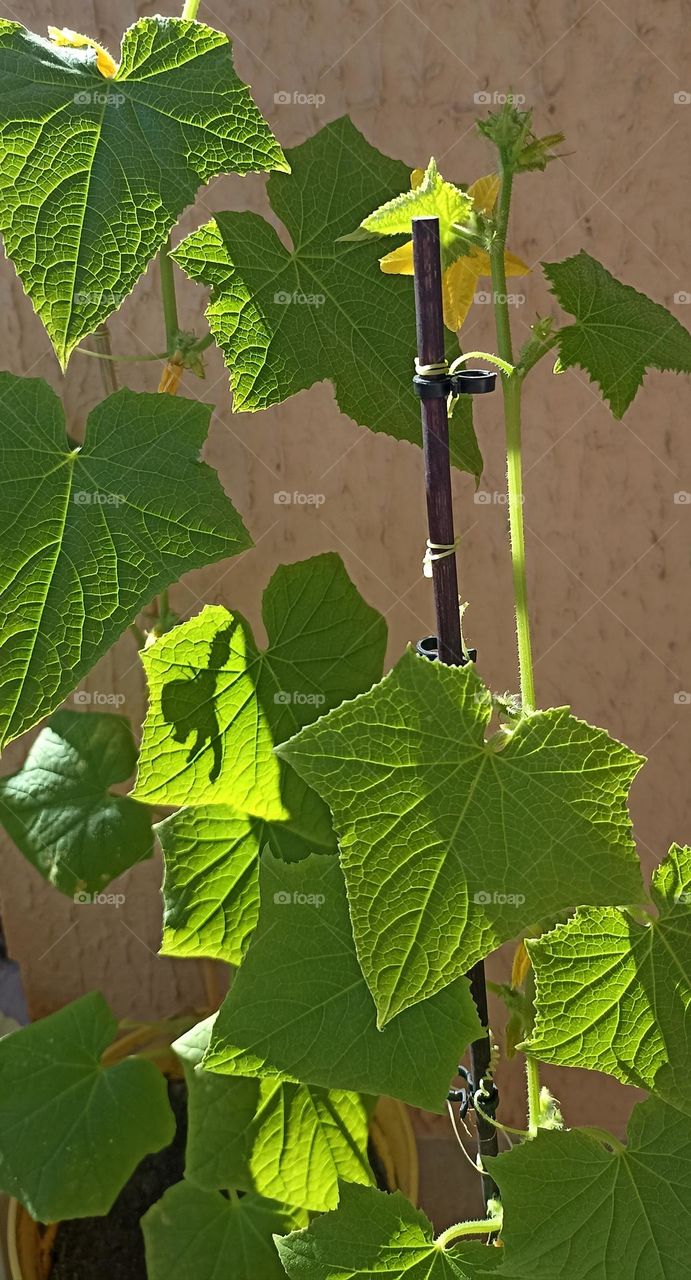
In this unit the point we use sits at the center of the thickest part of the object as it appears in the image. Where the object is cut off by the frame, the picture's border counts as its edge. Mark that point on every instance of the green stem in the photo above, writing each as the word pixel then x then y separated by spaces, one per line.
pixel 163 606
pixel 503 1128
pixel 101 355
pixel 191 9
pixel 512 418
pixel 202 343
pixel 479 1227
pixel 170 306
pixel 532 1072
pixel 138 634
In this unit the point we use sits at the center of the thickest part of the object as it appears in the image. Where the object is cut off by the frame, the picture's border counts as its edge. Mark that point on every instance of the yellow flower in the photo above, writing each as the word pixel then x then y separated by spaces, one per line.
pixel 73 40
pixel 459 280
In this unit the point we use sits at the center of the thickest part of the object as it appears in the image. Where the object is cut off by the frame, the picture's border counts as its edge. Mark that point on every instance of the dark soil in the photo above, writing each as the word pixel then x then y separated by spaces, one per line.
pixel 112 1248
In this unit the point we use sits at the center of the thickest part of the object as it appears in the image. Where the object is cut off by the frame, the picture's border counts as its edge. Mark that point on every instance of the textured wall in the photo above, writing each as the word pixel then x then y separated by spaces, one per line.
pixel 608 547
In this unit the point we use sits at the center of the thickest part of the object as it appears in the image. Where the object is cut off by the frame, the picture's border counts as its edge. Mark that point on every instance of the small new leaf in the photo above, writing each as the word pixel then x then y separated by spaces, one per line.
pixel 614 993
pixel 618 333
pixel 434 822
pixel 90 534
pixel 73 1131
pixel 98 161
pixel 289 318
pixel 299 1008
pixel 59 810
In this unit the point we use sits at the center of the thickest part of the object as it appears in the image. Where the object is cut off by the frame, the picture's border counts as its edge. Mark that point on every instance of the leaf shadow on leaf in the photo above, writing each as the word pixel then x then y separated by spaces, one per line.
pixel 189 704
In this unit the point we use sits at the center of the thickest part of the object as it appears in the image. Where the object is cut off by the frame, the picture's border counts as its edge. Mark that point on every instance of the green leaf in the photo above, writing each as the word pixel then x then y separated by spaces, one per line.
pixel 288 318
pixel 58 808
pixel 576 1208
pixel 218 704
pixel 289 1142
pixel 619 333
pixel 211 883
pixel 614 994
pixel 434 197
pixel 71 1130
pixel 374 1234
pixel 300 986
pixel 95 171
pixel 452 844
pixel 90 534
pixel 192 1233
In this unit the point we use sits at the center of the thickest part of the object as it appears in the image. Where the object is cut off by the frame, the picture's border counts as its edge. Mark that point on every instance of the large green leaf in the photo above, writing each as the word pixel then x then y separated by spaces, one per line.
pixel 192 1234
pixel 452 844
pixel 373 1234
pixel 619 333
pixel 287 318
pixel 209 684
pixel 289 1142
pixel 299 1008
pixel 71 1130
pixel 58 808
pixel 89 535
pixel 576 1208
pixel 614 993
pixel 95 171
pixel 211 884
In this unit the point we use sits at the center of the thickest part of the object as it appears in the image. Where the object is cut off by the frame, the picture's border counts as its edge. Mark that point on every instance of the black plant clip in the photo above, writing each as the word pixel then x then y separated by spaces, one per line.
pixel 484 1098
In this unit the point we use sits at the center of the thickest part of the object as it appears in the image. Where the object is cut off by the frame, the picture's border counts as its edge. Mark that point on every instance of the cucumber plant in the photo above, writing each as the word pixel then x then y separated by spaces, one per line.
pixel 350 843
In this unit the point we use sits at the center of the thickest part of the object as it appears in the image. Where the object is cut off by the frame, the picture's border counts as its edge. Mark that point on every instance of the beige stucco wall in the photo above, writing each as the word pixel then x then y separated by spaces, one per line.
pixel 608 547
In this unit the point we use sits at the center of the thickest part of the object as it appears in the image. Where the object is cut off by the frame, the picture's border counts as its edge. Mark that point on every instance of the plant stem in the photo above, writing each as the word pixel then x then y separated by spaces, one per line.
pixel 532 1072
pixel 170 306
pixel 511 386
pixel 108 374
pixel 478 1227
pixel 191 9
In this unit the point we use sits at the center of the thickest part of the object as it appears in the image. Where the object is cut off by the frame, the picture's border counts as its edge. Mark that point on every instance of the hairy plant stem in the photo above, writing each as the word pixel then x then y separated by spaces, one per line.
pixel 170 305
pixel 532 1072
pixel 511 386
pixel 478 1227
pixel 191 8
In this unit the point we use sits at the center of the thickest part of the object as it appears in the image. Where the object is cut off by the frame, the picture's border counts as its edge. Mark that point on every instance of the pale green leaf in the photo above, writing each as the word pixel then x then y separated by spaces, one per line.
pixel 288 318
pixel 372 1234
pixel 59 810
pixel 619 333
pixel 71 1130
pixel 289 1142
pixel 452 844
pixel 576 1208
pixel 614 992
pixel 95 171
pixel 299 1008
pixel 433 197
pixel 90 534
pixel 218 704
pixel 192 1234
